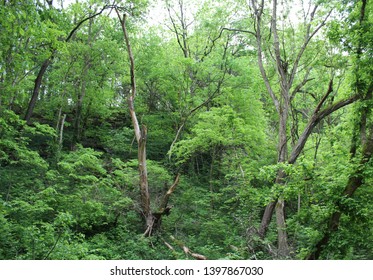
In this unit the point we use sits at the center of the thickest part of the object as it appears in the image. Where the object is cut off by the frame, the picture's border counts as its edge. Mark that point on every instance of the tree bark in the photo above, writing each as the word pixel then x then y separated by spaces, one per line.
pixel 60 141
pixel 140 134
pixel 282 105
pixel 282 240
pixel 36 90
pixel 282 237
pixel 266 219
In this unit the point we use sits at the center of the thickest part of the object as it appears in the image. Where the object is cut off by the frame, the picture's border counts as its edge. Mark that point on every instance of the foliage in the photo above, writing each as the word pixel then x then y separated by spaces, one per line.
pixel 69 178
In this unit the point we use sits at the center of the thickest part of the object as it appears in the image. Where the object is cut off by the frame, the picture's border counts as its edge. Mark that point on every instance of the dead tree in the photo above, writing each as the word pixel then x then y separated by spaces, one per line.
pixel 152 218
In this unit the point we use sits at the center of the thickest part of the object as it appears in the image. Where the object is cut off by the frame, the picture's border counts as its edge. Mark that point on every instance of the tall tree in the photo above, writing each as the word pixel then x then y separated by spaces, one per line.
pixel 152 218
pixel 272 49
pixel 23 46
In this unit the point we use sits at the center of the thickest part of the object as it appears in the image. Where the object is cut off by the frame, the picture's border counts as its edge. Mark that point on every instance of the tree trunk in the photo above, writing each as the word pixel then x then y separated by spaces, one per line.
pixel 279 205
pixel 152 219
pixel 60 141
pixel 266 219
pixel 143 176
pixel 79 108
pixel 317 116
pixel 282 237
pixel 355 181
pixel 140 135
pixel 36 90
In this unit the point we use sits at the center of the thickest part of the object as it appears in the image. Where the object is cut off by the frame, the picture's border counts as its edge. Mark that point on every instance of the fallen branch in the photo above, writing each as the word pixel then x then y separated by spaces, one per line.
pixel 186 250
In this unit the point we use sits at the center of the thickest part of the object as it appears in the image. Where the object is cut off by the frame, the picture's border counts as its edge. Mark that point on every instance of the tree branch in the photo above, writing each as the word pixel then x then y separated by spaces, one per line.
pixel 195 109
pixel 141 135
pixel 84 20
pixel 307 39
pixel 258 13
pixel 166 197
pixel 323 99
pixel 302 84
pixel 178 35
pixel 131 97
pixel 276 46
pixel 315 119
pixel 187 251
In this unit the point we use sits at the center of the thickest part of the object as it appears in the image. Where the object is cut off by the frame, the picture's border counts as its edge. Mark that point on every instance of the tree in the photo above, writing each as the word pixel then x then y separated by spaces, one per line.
pixel 237 113
pixel 287 70
pixel 362 140
pixel 152 219
pixel 48 61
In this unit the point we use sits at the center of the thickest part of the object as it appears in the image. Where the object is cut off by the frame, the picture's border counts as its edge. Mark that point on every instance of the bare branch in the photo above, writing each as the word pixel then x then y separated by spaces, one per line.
pixel 166 197
pixel 141 135
pixel 323 99
pixel 131 97
pixel 276 46
pixel 307 39
pixel 313 12
pixel 222 29
pixel 84 20
pixel 315 119
pixel 302 84
pixel 187 251
pixel 239 30
pixel 181 37
pixel 258 13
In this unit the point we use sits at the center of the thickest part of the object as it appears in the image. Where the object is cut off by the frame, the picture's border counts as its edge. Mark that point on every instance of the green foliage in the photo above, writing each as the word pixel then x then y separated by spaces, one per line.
pixel 215 128
pixel 69 179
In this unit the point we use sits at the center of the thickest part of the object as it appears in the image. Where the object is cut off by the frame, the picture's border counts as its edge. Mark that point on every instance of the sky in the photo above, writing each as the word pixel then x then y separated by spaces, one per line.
pixel 157 14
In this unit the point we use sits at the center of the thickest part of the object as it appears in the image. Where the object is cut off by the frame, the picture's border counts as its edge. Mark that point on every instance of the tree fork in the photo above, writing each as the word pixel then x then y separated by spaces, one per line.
pixel 282 104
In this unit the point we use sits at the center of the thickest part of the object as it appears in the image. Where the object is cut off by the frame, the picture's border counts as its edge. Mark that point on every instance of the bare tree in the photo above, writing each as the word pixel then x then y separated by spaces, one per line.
pixel 152 218
pixel 179 26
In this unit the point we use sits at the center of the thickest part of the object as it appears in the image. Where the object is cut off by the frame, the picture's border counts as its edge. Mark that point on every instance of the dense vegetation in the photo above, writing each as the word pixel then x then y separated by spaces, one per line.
pixel 186 129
